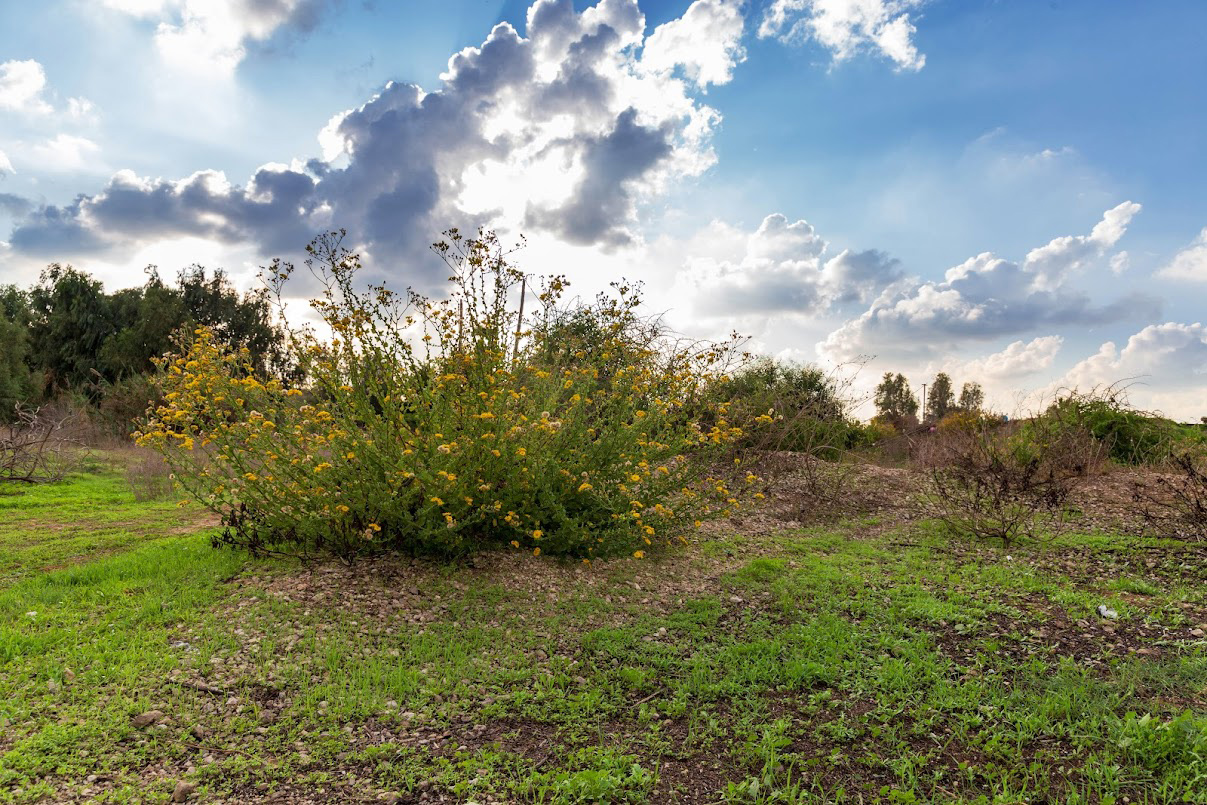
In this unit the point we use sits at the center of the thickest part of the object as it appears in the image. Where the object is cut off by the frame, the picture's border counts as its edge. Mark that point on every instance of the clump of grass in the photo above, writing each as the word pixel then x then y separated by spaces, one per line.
pixel 148 476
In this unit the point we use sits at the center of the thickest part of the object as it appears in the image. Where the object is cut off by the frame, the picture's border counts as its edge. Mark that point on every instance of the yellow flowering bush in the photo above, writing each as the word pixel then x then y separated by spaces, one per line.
pixel 449 425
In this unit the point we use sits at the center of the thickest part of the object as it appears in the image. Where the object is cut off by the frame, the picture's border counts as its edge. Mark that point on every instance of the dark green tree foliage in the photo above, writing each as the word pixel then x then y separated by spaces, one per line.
pixel 71 319
pixel 806 403
pixel 895 402
pixel 941 400
pixel 16 380
pixel 239 320
pixel 67 334
pixel 146 319
pixel 972 398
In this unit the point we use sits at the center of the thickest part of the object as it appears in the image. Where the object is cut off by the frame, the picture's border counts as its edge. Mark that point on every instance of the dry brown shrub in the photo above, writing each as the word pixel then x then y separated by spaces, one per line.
pixel 1007 483
pixel 41 446
pixel 1175 506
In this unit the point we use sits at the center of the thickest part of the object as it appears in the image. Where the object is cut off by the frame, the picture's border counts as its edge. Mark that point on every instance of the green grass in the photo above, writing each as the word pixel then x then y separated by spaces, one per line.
pixel 824 665
pixel 44 527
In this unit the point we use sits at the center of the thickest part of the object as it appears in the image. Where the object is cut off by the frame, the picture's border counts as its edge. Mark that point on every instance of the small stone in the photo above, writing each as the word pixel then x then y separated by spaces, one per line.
pixel 146 719
pixel 736 599
pixel 183 791
pixel 200 732
pixel 1197 632
pixel 52 686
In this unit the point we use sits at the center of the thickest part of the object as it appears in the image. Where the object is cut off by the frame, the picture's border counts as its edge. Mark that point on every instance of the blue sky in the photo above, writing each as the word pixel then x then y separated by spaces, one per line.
pixel 811 172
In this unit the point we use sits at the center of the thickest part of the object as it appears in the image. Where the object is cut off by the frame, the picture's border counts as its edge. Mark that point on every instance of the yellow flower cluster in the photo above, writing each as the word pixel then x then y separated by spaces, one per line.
pixel 446 425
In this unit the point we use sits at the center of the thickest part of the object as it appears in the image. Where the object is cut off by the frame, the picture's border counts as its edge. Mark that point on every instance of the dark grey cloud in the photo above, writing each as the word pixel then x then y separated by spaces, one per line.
pixel 51 231
pixel 571 103
pixel 602 198
pixel 14 204
pixel 987 297
pixel 859 276
pixel 271 208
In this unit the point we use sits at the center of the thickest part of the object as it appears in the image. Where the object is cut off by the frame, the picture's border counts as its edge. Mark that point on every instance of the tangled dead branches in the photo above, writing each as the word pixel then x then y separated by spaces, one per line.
pixel 38 447
pixel 1176 507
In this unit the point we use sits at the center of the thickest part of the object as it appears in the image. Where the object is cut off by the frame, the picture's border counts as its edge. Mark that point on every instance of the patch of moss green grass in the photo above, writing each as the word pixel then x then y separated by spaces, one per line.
pixel 813 666
pixel 47 526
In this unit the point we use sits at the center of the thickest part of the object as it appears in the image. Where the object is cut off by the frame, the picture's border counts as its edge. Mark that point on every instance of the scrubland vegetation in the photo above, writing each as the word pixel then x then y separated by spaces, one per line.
pixel 478 549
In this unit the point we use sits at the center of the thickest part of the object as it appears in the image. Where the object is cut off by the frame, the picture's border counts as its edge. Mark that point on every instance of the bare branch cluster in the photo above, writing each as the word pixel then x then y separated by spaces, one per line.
pixel 38 447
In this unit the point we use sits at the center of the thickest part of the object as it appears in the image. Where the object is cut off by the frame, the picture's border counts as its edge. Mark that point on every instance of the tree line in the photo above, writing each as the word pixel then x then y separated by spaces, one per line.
pixel 65 335
pixel 896 403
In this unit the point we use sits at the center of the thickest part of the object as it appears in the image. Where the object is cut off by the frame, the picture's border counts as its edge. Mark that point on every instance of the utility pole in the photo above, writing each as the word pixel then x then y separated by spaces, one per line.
pixel 923 402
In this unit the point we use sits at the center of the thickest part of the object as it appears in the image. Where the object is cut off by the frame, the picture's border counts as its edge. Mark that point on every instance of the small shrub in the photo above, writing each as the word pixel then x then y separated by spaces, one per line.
pixel 1176 507
pixel 809 431
pixel 447 426
pixel 875 432
pixel 1129 436
pixel 808 407
pixel 994 484
pixel 963 421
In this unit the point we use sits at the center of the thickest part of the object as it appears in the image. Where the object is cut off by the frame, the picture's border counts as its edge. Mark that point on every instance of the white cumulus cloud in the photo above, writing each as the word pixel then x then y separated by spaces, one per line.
pixel 846 27
pixel 987 296
pixel 22 84
pixel 1190 264
pixel 781 268
pixel 1019 359
pixel 210 37
pixel 25 91
pixel 705 42
pixel 66 153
